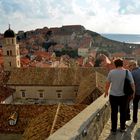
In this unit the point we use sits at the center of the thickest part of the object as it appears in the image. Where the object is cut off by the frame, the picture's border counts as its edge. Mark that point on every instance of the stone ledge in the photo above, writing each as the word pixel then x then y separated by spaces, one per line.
pixel 86 124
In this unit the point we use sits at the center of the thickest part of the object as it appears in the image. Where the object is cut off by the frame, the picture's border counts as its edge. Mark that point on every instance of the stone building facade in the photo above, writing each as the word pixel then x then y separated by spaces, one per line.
pixel 11 52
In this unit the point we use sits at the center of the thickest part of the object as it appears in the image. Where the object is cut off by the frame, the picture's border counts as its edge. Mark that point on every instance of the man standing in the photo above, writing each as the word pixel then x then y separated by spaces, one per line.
pixel 117 98
pixel 136 76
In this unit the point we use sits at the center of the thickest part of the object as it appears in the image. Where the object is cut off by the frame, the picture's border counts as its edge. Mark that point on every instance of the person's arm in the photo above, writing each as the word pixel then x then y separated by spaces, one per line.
pixel 133 87
pixel 132 84
pixel 107 86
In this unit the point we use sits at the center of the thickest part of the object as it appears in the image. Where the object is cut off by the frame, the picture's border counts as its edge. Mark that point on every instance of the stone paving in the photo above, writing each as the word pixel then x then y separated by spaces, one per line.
pixel 132 133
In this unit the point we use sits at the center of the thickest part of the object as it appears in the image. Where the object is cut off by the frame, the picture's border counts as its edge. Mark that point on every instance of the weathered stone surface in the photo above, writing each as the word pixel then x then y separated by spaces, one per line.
pixel 87 125
pixel 132 133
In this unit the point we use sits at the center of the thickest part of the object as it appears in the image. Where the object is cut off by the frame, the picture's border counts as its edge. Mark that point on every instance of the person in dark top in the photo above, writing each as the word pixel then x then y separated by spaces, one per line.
pixel 136 76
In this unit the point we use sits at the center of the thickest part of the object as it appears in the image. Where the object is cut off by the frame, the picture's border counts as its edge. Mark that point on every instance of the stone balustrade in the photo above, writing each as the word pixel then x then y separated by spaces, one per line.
pixel 87 125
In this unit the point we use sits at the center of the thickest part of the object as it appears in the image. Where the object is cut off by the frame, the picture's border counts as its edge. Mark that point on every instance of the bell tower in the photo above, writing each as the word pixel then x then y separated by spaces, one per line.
pixel 11 52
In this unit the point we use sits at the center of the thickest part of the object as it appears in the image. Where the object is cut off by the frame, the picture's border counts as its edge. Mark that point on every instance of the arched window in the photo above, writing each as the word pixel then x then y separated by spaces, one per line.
pixel 8 53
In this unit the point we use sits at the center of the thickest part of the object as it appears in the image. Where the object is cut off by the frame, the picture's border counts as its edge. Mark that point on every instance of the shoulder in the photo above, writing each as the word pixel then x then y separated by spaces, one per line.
pixel 111 71
pixel 137 70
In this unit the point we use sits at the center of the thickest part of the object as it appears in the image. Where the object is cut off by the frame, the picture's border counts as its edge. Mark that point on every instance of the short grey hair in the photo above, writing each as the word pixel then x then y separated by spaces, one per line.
pixel 133 63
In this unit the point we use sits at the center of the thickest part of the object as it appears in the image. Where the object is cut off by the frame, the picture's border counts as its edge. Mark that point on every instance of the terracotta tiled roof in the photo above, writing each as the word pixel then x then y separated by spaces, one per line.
pixel 43 54
pixel 40 127
pixel 136 51
pixel 25 114
pixel 42 65
pixel 48 76
pixel 24 61
pixel 5 92
pixel 80 61
pixel 4 76
pixel 91 97
pixel 90 84
pixel 119 54
pixel 36 120
pixel 86 87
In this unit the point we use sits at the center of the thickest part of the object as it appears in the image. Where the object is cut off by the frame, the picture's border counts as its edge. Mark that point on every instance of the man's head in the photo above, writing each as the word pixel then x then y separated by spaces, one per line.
pixel 118 62
pixel 132 64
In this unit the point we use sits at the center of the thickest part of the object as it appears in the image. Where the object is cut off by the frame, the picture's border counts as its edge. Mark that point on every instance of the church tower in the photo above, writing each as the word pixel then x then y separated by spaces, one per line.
pixel 11 52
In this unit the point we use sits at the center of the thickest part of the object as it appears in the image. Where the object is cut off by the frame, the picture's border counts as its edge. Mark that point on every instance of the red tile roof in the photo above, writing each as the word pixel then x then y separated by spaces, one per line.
pixel 36 120
pixel 25 114
pixel 5 92
pixel 24 61
pixel 48 76
pixel 43 54
pixel 41 126
pixel 119 54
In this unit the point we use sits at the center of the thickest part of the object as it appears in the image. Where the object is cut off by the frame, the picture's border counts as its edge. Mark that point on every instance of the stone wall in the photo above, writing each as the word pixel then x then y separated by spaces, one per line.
pixel 87 125
pixel 49 92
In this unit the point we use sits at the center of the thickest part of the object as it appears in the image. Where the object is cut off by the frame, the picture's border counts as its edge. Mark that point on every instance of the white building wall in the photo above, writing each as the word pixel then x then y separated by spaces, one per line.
pixel 83 52
pixel 49 92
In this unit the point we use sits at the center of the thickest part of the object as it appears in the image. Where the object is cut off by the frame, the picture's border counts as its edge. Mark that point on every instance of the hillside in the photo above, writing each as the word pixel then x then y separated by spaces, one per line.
pixel 67 38
pixel 111 45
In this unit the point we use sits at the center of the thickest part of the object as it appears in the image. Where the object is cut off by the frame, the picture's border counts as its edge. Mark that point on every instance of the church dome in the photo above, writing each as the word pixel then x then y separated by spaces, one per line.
pixel 9 33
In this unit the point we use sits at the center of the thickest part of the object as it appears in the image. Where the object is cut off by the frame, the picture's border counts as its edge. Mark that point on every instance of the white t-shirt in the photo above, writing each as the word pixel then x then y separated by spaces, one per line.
pixel 116 78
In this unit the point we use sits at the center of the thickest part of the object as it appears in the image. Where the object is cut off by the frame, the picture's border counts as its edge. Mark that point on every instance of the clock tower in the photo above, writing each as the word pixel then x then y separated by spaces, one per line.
pixel 11 52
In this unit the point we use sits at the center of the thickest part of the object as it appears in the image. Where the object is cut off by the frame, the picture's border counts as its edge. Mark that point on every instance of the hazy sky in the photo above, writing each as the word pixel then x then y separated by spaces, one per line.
pixel 102 16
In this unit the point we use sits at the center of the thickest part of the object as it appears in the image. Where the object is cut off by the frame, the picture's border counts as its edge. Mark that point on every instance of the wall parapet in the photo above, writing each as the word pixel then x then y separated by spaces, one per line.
pixel 87 125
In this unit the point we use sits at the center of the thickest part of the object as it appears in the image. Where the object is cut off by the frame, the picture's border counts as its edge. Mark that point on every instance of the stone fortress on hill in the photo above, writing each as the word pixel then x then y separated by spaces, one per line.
pixel 36 102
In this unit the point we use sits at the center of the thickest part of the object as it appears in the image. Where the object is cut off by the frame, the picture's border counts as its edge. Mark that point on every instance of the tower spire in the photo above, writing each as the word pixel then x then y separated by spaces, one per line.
pixel 9 26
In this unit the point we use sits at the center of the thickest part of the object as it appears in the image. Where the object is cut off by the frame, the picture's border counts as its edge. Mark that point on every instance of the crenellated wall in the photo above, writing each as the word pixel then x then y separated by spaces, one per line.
pixel 87 125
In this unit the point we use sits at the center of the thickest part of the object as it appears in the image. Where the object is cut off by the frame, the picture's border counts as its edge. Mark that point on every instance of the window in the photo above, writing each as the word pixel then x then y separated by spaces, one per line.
pixel 23 93
pixel 76 90
pixel 8 53
pixel 41 94
pixel 59 95
pixel 10 64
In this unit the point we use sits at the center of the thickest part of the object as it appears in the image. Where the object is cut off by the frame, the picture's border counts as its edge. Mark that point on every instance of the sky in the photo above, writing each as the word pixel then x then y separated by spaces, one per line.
pixel 101 16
